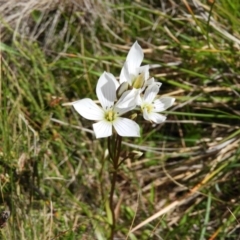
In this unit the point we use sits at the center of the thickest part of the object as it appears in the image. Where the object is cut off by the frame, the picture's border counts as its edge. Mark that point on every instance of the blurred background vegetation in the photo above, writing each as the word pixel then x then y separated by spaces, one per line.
pixel 53 177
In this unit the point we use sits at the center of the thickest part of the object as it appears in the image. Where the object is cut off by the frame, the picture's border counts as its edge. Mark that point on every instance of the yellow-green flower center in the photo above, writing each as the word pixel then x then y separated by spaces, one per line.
pixel 110 115
pixel 148 107
pixel 138 81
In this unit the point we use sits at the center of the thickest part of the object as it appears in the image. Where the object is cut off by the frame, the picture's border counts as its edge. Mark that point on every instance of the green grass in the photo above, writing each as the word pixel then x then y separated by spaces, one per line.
pixel 53 176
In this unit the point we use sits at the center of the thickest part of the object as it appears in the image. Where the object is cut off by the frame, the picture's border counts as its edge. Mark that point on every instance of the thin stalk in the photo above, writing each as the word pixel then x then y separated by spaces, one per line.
pixel 116 155
pixel 110 149
pixel 113 184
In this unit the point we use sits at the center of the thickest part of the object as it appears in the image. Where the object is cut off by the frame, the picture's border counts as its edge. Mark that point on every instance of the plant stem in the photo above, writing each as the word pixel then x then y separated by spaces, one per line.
pixel 113 184
pixel 115 155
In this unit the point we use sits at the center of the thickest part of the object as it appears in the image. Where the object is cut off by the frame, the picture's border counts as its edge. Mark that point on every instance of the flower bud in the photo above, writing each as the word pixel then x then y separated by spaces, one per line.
pixel 122 88
pixel 133 116
pixel 138 81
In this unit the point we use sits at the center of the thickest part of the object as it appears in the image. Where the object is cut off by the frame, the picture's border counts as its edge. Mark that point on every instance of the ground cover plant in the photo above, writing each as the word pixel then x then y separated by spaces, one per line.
pixel 183 183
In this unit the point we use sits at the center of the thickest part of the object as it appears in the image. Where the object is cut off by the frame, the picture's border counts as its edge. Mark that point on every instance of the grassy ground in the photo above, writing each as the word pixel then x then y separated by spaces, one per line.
pixel 53 176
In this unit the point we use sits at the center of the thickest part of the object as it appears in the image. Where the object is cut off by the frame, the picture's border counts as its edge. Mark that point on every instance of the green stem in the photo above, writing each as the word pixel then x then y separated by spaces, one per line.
pixel 110 149
pixel 113 184
pixel 115 155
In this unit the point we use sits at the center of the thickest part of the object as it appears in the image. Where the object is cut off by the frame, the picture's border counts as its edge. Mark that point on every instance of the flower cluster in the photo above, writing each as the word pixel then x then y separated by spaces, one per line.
pixel 135 90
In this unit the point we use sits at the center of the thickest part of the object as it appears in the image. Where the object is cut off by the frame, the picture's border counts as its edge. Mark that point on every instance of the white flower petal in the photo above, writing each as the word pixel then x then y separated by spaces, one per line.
pixel 88 109
pixel 163 103
pixel 146 115
pixel 151 81
pixel 102 129
pixel 139 100
pixel 143 69
pixel 124 75
pixel 134 57
pixel 128 99
pixel 121 111
pixel 154 117
pixel 106 89
pixel 151 92
pixel 126 127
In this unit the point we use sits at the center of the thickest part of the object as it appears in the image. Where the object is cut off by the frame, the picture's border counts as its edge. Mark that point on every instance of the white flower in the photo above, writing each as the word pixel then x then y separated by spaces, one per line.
pixel 109 115
pixel 137 77
pixel 151 106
